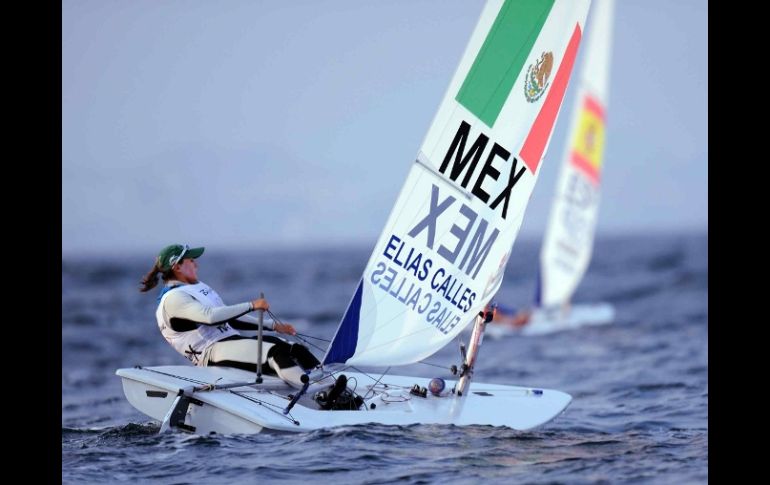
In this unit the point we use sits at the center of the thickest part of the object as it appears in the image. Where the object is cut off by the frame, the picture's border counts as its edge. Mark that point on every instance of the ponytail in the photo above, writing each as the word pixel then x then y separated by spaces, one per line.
pixel 150 280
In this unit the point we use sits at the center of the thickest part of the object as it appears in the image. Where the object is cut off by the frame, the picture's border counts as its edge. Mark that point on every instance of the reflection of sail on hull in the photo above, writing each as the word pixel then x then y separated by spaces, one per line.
pixel 439 259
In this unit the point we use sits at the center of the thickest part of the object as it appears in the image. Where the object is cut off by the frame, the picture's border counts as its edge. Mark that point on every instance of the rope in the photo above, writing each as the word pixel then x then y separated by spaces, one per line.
pixel 309 343
pixel 188 379
pixel 210 387
pixel 371 389
pixel 434 365
pixel 317 338
pixel 299 335
pixel 267 405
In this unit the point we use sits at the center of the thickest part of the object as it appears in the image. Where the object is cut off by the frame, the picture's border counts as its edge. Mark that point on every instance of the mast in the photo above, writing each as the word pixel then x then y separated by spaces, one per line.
pixel 259 342
pixel 469 358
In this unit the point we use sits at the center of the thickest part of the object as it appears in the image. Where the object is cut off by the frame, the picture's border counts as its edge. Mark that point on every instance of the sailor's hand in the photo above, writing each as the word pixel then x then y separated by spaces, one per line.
pixel 284 328
pixel 260 304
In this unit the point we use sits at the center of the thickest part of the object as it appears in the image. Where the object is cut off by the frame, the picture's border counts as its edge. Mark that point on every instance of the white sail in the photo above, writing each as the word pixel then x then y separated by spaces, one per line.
pixel 569 236
pixel 443 251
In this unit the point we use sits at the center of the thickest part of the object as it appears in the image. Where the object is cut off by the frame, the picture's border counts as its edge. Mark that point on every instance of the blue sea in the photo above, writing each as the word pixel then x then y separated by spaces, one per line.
pixel 640 385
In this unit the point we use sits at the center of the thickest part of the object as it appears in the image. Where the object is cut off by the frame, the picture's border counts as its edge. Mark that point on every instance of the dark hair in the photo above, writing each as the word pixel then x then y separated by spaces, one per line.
pixel 150 280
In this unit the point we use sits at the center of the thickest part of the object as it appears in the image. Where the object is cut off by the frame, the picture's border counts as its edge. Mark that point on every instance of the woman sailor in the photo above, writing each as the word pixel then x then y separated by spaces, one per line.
pixel 196 322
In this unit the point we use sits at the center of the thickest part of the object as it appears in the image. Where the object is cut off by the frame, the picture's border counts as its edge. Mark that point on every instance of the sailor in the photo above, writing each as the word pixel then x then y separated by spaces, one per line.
pixel 196 322
pixel 511 316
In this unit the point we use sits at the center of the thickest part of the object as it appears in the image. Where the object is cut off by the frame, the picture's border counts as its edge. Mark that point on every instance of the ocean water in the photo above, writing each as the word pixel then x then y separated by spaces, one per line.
pixel 640 386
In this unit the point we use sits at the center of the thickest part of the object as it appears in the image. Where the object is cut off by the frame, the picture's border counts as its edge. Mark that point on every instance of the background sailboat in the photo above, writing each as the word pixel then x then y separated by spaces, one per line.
pixel 438 261
pixel 569 237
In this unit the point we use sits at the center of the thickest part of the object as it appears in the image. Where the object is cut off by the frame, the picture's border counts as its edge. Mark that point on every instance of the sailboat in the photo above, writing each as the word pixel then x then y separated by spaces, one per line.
pixel 569 238
pixel 437 263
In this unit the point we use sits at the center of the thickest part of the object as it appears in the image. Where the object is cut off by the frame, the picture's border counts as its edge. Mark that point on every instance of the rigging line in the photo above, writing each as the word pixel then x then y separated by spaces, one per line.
pixel 364 373
pixel 278 320
pixel 182 378
pixel 434 365
pixel 299 335
pixel 312 344
pixel 371 389
pixel 361 372
pixel 331 374
pixel 317 338
pixel 267 406
pixel 254 399
pixel 273 316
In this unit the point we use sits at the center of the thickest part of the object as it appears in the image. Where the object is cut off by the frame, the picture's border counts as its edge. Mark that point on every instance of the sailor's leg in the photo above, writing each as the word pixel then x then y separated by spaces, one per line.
pixel 304 357
pixel 280 360
pixel 283 358
pixel 241 353
pixel 287 361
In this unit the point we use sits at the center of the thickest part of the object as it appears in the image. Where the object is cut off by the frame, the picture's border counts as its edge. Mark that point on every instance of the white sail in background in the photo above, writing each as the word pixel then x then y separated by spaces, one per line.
pixel 443 251
pixel 569 236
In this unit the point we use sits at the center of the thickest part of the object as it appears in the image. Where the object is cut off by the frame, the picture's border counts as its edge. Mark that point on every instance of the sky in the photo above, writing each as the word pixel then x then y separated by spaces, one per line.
pixel 266 124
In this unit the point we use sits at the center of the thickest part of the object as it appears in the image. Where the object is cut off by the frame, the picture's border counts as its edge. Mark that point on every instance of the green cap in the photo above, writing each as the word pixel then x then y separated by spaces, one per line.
pixel 170 255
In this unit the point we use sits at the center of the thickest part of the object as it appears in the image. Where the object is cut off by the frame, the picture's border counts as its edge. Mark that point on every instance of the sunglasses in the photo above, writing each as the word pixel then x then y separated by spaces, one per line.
pixel 175 259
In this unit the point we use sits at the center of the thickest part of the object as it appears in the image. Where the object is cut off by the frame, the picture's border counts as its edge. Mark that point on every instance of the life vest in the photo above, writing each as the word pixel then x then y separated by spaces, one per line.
pixel 194 343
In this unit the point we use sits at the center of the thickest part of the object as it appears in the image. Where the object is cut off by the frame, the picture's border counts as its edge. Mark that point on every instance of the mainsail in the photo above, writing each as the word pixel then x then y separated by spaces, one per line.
pixel 443 251
pixel 569 236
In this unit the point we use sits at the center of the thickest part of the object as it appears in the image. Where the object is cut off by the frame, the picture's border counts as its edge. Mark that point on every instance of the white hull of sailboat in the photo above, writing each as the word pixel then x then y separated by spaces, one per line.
pixel 544 322
pixel 251 409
